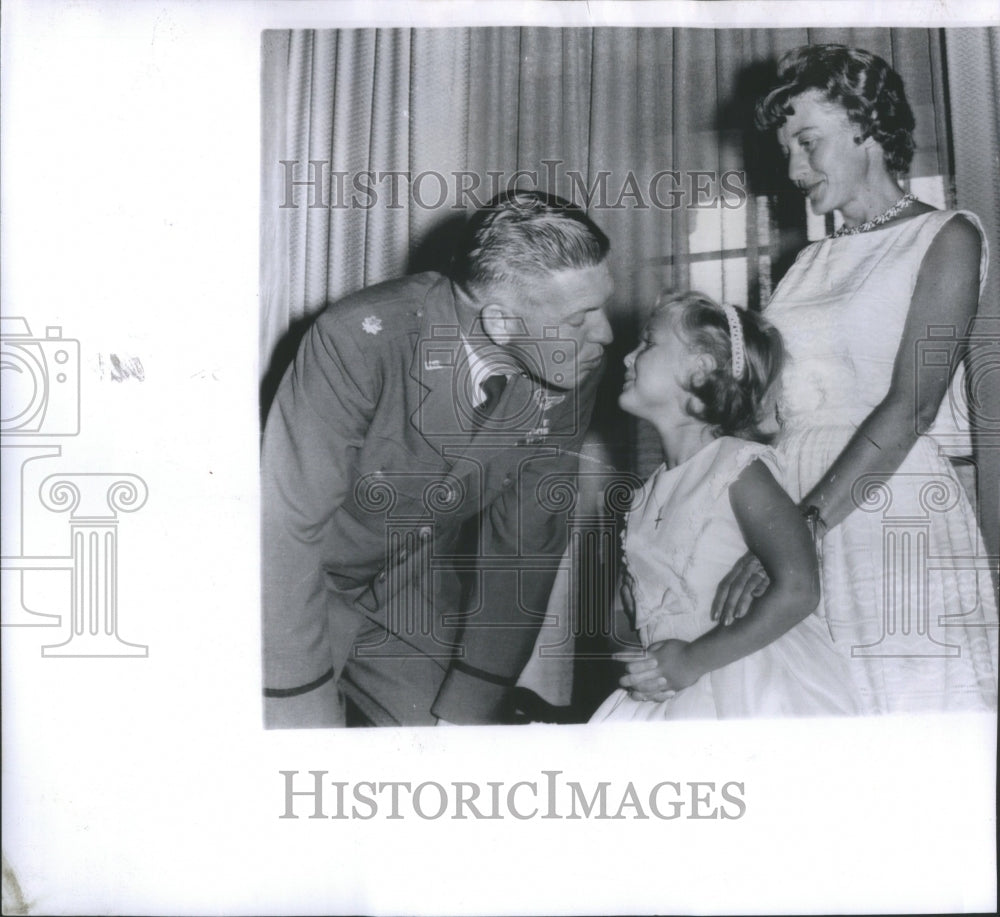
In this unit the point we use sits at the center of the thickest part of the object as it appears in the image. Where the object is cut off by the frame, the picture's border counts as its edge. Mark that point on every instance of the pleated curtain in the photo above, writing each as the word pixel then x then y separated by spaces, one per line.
pixel 973 60
pixel 453 108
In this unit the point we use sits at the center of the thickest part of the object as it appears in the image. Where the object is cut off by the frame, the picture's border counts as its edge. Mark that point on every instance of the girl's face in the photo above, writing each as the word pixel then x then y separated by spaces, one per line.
pixel 658 371
pixel 823 160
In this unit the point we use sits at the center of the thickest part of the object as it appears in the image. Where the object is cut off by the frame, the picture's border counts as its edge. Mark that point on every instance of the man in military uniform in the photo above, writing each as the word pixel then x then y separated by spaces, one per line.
pixel 411 467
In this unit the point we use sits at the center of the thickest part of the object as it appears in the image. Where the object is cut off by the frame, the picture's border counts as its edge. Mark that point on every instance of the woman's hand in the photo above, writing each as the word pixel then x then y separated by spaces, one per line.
pixel 740 586
pixel 661 673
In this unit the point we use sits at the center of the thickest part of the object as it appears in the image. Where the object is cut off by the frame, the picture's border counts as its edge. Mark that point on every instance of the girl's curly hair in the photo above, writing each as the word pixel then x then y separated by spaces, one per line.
pixel 731 406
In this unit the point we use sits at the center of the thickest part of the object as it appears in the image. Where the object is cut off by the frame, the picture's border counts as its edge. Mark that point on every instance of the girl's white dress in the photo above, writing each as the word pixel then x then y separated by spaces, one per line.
pixel 907 594
pixel 681 538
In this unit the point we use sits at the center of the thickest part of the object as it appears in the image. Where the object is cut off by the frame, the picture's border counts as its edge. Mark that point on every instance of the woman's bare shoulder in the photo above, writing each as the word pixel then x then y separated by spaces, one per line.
pixel 958 237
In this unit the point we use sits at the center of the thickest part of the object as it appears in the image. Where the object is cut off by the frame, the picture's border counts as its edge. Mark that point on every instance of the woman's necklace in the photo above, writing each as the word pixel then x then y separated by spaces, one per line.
pixel 884 217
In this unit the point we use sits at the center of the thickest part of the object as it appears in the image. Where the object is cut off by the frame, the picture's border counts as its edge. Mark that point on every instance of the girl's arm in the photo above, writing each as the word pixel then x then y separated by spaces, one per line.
pixel 946 294
pixel 774 531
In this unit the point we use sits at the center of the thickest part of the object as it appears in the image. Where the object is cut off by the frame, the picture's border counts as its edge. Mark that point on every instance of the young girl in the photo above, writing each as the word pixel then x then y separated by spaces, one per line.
pixel 700 375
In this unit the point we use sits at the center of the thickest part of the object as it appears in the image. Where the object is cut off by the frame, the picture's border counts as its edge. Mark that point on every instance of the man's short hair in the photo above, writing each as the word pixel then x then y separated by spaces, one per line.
pixel 523 233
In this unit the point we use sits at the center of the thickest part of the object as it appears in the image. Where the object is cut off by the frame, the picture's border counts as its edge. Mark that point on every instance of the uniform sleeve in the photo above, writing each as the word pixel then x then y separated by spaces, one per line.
pixel 317 421
pixel 499 636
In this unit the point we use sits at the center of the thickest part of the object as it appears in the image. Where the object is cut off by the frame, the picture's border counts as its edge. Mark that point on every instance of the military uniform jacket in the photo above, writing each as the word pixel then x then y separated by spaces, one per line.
pixel 383 497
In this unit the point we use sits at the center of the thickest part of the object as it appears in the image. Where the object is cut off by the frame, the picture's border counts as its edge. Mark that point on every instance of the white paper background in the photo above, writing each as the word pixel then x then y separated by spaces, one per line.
pixel 130 179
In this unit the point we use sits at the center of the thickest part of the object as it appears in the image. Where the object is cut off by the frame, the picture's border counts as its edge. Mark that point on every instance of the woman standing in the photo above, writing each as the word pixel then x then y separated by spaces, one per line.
pixel 857 409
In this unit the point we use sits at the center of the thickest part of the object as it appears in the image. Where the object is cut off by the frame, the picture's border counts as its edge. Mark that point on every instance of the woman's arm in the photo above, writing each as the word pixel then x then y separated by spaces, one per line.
pixel 946 293
pixel 774 531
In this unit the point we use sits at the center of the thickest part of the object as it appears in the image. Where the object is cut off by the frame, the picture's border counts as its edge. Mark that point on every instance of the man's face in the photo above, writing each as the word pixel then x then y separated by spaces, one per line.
pixel 563 314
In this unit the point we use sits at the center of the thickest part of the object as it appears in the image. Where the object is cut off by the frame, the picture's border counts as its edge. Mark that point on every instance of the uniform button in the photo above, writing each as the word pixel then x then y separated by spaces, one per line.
pixel 507 481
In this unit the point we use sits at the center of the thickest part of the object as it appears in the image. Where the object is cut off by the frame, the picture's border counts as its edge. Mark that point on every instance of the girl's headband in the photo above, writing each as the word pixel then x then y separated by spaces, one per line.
pixel 736 340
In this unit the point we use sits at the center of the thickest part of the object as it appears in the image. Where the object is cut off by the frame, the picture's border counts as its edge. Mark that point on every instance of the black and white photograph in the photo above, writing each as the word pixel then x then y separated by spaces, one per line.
pixel 730 266
pixel 512 458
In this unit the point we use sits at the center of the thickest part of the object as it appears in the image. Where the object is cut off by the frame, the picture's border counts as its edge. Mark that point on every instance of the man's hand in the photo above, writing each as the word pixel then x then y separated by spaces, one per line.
pixel 740 586
pixel 661 673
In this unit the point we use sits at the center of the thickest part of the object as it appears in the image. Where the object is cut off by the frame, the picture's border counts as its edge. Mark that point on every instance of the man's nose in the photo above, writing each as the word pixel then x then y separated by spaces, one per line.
pixel 600 330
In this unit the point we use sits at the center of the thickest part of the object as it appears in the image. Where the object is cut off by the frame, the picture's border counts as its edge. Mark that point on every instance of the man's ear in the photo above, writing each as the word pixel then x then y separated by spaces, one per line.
pixel 701 366
pixel 496 323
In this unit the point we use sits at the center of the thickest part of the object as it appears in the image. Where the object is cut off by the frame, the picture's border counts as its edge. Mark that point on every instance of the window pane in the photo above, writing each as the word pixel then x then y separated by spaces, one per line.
pixel 734 281
pixel 930 189
pixel 706 277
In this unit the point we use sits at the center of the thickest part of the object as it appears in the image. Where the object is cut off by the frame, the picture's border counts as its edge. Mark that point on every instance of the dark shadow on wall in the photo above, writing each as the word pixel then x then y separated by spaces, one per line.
pixel 433 253
pixel 281 358
pixel 766 172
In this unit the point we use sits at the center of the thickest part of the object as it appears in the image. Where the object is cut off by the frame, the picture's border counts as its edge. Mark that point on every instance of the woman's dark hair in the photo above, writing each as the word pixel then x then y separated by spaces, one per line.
pixel 864 85
pixel 731 406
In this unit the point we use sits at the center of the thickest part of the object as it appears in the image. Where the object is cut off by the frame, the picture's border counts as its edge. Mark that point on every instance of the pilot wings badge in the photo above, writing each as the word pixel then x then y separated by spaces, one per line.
pixel 546 401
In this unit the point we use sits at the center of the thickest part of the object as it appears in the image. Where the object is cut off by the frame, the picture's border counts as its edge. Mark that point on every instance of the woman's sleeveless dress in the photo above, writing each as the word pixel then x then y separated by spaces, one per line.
pixel 907 593
pixel 680 540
